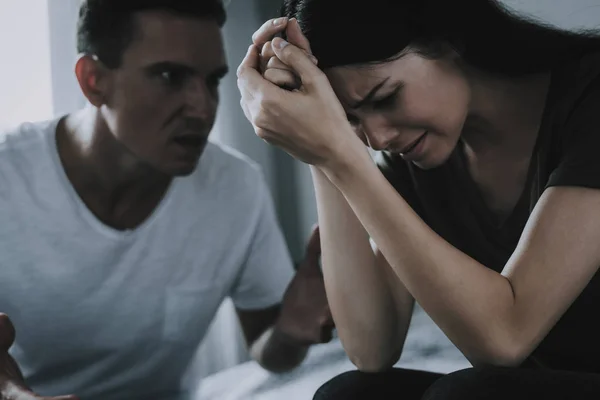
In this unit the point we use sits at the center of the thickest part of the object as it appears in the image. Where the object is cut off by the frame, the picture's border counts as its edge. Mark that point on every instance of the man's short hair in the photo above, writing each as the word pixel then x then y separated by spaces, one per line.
pixel 107 27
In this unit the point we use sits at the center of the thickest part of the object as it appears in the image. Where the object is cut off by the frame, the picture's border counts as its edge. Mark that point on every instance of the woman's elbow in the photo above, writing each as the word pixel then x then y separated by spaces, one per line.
pixel 372 363
pixel 508 354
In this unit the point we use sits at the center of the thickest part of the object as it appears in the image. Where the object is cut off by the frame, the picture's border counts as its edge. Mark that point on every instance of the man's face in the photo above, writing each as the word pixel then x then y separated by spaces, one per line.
pixel 162 101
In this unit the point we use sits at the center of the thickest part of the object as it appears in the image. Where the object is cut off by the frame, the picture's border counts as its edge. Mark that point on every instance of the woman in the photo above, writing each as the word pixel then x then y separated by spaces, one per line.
pixel 484 204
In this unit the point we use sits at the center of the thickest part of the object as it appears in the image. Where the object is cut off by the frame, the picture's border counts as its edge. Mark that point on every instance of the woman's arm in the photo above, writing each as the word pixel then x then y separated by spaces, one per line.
pixel 492 318
pixel 371 308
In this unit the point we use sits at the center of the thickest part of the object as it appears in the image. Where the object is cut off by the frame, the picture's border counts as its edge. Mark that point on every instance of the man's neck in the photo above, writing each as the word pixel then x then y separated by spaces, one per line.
pixel 120 190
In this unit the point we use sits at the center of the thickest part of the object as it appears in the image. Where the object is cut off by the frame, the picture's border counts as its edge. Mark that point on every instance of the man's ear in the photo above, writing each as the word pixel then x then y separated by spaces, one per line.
pixel 94 79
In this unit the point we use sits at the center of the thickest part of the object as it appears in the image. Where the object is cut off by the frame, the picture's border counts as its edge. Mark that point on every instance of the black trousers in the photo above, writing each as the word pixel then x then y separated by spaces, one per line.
pixel 489 383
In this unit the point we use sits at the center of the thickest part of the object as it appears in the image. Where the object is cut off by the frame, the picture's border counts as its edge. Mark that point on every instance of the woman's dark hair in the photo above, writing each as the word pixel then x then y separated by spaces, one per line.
pixel 107 27
pixel 486 35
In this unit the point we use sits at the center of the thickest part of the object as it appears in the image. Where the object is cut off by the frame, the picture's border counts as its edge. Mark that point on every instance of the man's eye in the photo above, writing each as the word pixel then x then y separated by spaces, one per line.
pixel 172 78
pixel 213 83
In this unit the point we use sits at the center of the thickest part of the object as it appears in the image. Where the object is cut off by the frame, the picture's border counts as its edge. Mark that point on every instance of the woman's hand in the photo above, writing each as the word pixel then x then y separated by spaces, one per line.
pixel 271 67
pixel 309 123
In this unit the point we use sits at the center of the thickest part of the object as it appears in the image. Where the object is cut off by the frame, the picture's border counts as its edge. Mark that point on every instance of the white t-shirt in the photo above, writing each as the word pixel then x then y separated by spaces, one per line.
pixel 109 314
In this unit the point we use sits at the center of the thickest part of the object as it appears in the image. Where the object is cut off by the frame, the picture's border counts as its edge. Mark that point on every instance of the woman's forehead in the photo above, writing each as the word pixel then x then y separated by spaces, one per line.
pixel 353 82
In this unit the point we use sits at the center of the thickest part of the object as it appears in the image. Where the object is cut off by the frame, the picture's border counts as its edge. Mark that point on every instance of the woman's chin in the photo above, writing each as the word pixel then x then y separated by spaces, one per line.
pixel 433 160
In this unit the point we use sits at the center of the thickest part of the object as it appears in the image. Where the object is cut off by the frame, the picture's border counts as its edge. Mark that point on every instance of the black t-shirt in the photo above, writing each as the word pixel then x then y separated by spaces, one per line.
pixel 566 154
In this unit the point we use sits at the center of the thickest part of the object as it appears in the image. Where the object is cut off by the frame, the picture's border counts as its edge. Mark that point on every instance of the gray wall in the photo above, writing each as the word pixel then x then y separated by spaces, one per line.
pixel 570 14
pixel 233 129
pixel 66 94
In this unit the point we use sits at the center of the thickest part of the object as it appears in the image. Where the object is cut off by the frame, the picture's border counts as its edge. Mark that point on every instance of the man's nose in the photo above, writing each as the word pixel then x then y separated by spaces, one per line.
pixel 201 100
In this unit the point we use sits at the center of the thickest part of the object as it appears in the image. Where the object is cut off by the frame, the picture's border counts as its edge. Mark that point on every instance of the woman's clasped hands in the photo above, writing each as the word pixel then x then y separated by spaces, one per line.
pixel 289 100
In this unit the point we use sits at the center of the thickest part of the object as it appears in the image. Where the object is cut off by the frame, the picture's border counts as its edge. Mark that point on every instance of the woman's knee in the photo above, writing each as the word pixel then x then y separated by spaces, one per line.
pixel 470 383
pixel 394 384
pixel 342 386
pixel 356 385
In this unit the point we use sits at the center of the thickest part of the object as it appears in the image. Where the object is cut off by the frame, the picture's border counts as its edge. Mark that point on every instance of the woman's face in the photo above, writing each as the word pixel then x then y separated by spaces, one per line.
pixel 413 106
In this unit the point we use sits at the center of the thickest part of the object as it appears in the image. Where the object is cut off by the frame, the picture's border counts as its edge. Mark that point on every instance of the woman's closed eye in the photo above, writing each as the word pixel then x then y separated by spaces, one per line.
pixel 387 102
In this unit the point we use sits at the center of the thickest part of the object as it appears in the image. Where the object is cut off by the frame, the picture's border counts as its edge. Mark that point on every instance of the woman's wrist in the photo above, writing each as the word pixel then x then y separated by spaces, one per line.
pixel 347 163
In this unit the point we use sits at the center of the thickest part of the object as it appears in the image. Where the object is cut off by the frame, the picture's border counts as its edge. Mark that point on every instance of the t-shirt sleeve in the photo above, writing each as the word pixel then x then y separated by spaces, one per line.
pixel 268 268
pixel 579 163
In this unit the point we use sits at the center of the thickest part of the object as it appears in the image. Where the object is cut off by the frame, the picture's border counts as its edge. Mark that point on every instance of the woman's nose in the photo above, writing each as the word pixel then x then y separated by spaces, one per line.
pixel 378 133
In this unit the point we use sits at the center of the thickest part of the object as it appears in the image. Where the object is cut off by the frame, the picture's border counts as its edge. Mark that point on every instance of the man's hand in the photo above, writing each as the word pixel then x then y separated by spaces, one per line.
pixel 12 385
pixel 305 316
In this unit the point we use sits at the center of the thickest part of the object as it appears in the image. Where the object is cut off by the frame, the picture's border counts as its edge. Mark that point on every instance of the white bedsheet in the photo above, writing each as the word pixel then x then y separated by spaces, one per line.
pixel 426 348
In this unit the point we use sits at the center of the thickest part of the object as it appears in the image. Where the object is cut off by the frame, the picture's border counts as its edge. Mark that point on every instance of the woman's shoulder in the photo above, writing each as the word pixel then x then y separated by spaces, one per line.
pixel 584 83
pixel 574 128
pixel 575 88
pixel 578 76
pixel 589 64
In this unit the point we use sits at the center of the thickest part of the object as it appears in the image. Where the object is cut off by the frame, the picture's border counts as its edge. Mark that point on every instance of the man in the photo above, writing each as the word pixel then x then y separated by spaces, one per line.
pixel 118 241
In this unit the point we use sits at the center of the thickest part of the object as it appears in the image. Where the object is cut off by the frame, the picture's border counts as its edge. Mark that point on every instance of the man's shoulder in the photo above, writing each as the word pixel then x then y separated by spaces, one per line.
pixel 25 146
pixel 229 157
pixel 25 137
pixel 24 153
pixel 224 178
pixel 227 186
pixel 229 166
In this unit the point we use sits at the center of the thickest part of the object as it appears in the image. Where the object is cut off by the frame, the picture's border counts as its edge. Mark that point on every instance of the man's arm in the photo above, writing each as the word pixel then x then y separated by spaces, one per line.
pixel 279 337
pixel 271 348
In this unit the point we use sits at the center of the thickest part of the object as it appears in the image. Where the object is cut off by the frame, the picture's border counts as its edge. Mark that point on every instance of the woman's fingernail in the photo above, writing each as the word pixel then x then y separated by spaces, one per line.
pixel 279 21
pixel 280 43
pixel 313 59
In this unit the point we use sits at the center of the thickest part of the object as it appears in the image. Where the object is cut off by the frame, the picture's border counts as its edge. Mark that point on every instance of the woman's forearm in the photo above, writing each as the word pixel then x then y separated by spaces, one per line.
pixel 451 286
pixel 370 325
